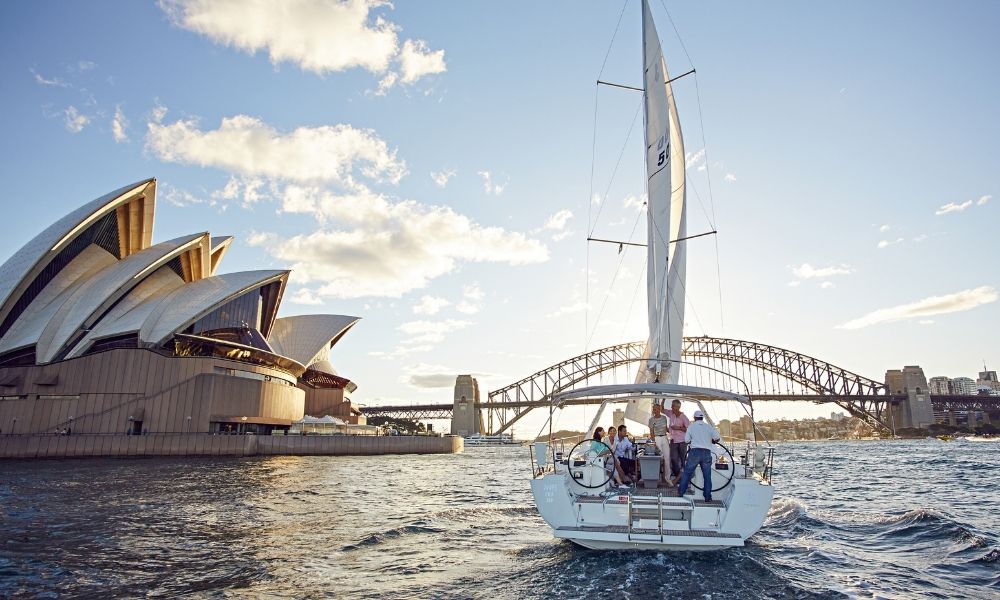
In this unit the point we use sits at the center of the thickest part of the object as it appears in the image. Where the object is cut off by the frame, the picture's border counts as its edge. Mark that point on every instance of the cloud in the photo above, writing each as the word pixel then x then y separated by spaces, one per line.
pixel 884 228
pixel 371 246
pixel 416 60
pixel 316 35
pixel 934 305
pixel 119 125
pixel 472 300
pixel 693 159
pixel 729 178
pixel 55 81
pixel 247 190
pixel 430 305
pixel 176 196
pixel 887 243
pixel 827 285
pixel 74 120
pixel 925 322
pixel 246 145
pixel 557 221
pixel 636 202
pixel 441 178
pixel 305 296
pixel 952 207
pixel 920 238
pixel 85 65
pixel 431 332
pixel 429 376
pixel 807 271
pixel 490 186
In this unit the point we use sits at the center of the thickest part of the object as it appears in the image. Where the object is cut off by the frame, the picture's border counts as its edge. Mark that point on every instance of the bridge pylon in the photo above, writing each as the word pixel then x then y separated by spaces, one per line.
pixel 467 412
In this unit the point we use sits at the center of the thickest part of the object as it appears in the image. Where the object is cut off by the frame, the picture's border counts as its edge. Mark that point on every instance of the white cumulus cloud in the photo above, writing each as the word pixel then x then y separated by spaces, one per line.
pixel 934 305
pixel 249 146
pixel 320 36
pixel 372 246
pixel 416 60
pixel 983 200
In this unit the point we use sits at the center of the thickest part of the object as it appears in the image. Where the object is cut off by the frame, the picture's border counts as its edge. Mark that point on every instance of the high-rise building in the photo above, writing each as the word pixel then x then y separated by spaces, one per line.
pixel 939 386
pixel 963 386
pixel 988 380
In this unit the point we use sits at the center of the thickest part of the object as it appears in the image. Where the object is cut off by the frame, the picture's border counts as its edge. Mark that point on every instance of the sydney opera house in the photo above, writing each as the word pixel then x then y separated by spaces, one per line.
pixel 103 331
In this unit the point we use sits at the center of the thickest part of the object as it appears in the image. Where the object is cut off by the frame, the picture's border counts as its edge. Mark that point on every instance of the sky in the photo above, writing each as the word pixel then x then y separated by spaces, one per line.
pixel 436 167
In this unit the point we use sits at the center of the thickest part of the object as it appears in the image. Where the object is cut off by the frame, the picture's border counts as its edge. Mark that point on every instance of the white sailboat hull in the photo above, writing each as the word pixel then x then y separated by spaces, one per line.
pixel 652 520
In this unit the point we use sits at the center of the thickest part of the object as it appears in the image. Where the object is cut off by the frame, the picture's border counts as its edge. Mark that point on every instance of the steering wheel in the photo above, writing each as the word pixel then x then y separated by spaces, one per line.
pixel 592 458
pixel 715 474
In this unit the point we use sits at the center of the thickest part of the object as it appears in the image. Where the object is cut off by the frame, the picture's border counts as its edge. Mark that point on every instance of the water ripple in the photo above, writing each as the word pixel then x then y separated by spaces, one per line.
pixel 850 520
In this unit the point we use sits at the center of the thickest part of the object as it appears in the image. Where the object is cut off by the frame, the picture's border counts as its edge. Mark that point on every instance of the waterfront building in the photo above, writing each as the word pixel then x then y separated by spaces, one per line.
pixel 103 331
pixel 988 380
pixel 939 386
pixel 963 386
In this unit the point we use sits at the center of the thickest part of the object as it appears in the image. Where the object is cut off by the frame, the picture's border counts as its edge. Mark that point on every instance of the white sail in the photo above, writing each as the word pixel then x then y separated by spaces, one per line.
pixel 666 221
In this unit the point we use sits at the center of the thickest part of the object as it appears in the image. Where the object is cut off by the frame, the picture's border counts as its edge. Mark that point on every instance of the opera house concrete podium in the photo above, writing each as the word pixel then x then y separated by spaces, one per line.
pixel 104 332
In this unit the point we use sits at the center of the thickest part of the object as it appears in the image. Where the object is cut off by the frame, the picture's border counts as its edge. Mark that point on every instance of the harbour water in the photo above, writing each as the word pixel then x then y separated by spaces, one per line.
pixel 893 519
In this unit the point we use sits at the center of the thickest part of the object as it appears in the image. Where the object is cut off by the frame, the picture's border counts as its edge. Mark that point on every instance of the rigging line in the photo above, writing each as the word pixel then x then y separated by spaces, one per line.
pixel 600 206
pixel 677 33
pixel 613 36
pixel 614 277
pixel 711 203
pixel 683 289
pixel 635 293
pixel 590 210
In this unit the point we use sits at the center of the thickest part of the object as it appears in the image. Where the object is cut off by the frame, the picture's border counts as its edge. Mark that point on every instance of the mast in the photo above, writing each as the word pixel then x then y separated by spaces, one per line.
pixel 666 195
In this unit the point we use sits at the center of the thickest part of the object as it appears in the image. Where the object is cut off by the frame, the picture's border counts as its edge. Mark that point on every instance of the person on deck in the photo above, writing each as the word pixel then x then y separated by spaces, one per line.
pixel 599 444
pixel 625 451
pixel 678 448
pixel 658 424
pixel 702 438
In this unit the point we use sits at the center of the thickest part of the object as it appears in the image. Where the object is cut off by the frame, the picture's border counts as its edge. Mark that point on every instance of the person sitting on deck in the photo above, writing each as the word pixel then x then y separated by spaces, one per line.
pixel 702 437
pixel 625 452
pixel 600 446
pixel 612 442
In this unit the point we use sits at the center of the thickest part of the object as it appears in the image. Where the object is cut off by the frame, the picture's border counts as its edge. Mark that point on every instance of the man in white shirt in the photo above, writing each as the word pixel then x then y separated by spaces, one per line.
pixel 625 451
pixel 702 437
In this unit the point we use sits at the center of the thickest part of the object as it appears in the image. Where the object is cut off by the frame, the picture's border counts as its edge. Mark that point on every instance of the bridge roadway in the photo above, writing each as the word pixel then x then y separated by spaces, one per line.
pixel 444 411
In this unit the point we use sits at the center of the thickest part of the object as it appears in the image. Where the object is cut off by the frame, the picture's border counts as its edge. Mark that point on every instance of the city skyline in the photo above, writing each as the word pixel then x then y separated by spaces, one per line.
pixel 432 174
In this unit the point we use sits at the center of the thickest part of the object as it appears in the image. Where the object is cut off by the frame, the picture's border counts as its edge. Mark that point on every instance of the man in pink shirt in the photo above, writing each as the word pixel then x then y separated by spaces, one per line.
pixel 678 424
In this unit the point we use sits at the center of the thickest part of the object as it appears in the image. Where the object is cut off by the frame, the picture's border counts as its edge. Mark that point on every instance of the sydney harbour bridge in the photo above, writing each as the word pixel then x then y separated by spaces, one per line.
pixel 766 373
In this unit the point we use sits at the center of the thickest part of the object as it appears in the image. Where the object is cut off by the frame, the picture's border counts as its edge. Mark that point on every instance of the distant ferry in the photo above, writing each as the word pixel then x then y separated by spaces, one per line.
pixel 503 439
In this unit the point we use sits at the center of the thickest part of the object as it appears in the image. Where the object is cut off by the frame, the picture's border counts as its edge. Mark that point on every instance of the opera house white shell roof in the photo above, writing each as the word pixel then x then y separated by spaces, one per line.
pixel 94 279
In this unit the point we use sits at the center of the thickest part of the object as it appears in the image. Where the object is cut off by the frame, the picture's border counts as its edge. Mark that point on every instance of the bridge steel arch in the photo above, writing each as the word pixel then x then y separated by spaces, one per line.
pixel 507 405
pixel 864 398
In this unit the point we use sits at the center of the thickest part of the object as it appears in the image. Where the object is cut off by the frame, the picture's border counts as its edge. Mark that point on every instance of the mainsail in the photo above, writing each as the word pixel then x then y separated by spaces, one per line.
pixel 666 220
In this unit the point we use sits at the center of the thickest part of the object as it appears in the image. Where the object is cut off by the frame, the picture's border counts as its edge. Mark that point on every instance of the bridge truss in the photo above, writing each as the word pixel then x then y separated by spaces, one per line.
pixel 768 372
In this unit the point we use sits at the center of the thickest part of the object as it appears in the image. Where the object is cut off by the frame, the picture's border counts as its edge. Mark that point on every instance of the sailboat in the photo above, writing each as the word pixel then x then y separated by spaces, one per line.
pixel 573 491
